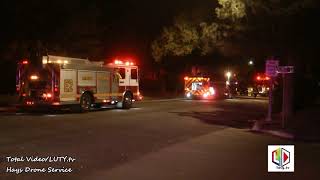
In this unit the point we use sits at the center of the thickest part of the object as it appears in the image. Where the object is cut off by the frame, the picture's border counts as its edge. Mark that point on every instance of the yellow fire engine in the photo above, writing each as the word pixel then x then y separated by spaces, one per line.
pixel 198 87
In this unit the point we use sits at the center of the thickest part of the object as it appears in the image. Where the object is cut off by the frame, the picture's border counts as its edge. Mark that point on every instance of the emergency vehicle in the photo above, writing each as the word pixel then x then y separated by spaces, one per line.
pixel 198 87
pixel 260 86
pixel 59 81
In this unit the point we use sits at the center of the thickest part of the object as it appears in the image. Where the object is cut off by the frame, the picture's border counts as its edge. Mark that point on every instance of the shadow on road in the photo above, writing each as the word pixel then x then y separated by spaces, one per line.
pixel 231 117
pixel 44 112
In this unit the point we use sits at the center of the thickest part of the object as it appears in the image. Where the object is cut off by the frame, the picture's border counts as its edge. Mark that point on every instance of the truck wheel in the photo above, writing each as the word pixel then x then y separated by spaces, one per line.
pixel 85 102
pixel 127 101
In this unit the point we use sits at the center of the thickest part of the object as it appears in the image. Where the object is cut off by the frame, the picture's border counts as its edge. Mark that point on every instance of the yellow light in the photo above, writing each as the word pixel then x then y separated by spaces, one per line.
pixel 228 74
pixel 212 91
pixel 59 61
pixel 34 77
pixel 127 63
pixel 66 62
pixel 117 62
pixel 44 61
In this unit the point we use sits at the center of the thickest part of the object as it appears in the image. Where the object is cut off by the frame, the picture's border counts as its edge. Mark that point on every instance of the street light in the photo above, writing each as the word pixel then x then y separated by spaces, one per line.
pixel 228 74
pixel 250 63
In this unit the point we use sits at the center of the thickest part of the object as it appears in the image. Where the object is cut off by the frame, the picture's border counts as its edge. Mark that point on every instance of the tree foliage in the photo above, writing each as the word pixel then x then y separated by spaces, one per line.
pixel 231 19
pixel 179 40
pixel 231 10
pixel 185 36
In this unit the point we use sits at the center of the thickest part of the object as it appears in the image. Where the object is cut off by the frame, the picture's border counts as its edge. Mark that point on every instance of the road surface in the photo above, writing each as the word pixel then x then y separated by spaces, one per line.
pixel 166 139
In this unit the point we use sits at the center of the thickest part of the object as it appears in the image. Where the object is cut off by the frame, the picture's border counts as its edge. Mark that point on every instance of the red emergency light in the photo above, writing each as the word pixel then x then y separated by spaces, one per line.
pixel 258 78
pixel 25 62
pixel 262 78
pixel 47 95
pixel 120 62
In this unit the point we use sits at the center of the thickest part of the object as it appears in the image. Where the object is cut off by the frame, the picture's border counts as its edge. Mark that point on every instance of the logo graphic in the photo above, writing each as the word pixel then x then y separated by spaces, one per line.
pixel 280 158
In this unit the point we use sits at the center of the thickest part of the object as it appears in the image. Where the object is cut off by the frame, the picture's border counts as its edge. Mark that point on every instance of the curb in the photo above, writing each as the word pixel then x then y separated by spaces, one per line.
pixel 280 134
pixel 250 97
pixel 4 109
pixel 7 109
pixel 161 100
pixel 258 127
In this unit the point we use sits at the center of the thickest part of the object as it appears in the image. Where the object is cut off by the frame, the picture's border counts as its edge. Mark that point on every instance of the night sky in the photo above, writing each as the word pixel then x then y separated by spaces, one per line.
pixel 126 26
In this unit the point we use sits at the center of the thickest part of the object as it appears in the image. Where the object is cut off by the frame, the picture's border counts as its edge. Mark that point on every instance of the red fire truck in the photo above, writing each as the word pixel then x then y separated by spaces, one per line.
pixel 59 81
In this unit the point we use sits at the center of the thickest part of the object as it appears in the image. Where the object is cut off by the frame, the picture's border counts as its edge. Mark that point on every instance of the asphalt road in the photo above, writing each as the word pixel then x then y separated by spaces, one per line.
pixel 166 139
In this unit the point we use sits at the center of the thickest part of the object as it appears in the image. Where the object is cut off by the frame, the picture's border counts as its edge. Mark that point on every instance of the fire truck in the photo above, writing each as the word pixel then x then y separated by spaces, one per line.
pixel 260 86
pixel 60 81
pixel 198 87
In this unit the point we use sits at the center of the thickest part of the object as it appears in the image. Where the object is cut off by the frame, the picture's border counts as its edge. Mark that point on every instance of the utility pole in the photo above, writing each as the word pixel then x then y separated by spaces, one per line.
pixel 286 93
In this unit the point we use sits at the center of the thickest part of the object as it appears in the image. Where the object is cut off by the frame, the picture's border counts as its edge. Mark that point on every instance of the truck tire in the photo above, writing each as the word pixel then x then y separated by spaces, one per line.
pixel 85 102
pixel 127 101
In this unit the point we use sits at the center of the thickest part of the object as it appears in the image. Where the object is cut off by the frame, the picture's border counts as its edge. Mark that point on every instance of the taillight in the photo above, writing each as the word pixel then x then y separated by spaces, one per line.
pixel 29 102
pixel 47 95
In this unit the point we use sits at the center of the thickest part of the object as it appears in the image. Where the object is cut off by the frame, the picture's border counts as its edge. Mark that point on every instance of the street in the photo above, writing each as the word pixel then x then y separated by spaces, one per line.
pixel 161 139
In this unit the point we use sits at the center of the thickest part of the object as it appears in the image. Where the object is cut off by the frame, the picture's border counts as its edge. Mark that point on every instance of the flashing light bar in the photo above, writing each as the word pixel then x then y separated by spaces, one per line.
pixel 34 77
pixel 118 62
pixel 127 63
pixel 59 61
pixel 186 78
pixel 266 78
